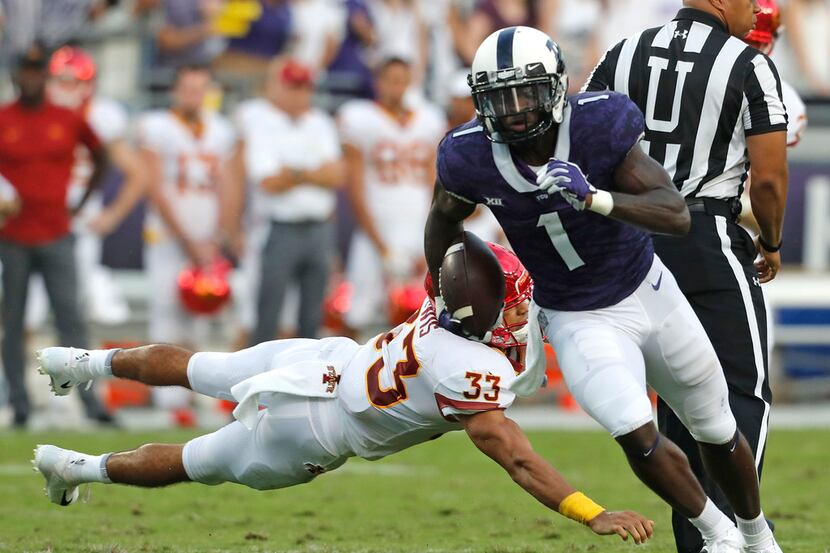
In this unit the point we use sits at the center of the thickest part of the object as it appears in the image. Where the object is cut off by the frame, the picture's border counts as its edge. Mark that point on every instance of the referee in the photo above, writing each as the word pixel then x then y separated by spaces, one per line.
pixel 713 109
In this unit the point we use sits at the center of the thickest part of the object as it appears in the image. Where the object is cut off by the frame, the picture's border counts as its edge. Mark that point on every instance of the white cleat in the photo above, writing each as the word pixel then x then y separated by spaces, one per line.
pixel 768 546
pixel 730 542
pixel 54 464
pixel 66 367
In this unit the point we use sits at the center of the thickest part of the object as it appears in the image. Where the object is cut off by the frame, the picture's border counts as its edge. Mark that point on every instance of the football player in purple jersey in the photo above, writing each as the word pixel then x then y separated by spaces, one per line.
pixel 577 199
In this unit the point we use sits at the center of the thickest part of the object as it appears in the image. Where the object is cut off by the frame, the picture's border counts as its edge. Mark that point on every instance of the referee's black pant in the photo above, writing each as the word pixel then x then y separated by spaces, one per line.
pixel 713 265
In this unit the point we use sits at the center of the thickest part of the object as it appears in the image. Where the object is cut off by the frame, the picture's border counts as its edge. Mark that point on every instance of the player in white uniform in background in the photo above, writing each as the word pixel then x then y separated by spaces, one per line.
pixel 184 149
pixel 389 149
pixel 331 399
pixel 72 85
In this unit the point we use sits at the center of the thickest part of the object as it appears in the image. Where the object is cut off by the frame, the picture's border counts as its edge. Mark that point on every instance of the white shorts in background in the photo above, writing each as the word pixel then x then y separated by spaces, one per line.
pixel 168 320
pixel 653 336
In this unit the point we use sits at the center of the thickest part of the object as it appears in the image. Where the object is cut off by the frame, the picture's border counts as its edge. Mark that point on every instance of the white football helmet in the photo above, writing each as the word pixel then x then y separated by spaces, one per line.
pixel 519 84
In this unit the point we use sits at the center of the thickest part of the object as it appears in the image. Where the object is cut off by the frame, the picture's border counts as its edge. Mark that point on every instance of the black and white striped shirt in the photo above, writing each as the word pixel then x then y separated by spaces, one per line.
pixel 702 92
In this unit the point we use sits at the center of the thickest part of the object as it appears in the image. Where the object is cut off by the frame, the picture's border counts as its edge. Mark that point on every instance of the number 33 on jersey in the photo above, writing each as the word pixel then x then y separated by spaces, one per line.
pixel 415 380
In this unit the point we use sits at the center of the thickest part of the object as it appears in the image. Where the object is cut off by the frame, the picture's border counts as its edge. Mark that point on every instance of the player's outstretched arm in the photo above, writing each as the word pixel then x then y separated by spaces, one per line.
pixel 444 226
pixel 502 440
pixel 647 197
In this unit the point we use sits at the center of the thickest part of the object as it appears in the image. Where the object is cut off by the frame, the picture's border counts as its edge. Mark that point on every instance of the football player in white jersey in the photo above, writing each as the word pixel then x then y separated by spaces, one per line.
pixel 72 74
pixel 389 149
pixel 184 149
pixel 331 399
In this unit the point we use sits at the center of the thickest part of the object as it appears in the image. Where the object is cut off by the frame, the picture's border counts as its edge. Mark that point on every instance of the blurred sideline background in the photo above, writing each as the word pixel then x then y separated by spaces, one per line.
pixel 138 44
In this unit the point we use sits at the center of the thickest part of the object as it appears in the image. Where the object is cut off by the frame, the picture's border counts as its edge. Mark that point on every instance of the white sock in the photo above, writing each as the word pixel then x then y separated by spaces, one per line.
pixel 100 361
pixel 711 522
pixel 754 531
pixel 90 468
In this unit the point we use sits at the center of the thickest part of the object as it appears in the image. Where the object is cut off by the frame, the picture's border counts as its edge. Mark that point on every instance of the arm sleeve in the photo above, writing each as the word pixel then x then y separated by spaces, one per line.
pixel 351 130
pixel 626 130
pixel 448 173
pixel 765 111
pixel 602 77
pixel 533 377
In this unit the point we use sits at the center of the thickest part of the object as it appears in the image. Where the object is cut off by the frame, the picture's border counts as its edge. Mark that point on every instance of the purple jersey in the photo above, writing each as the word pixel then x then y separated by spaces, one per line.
pixel 579 260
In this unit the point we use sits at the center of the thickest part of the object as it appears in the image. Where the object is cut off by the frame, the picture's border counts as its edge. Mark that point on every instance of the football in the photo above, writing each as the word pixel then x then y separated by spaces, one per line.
pixel 472 284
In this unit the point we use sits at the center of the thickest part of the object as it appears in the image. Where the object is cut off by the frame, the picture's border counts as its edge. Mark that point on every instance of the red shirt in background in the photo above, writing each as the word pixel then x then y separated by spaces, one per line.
pixel 37 152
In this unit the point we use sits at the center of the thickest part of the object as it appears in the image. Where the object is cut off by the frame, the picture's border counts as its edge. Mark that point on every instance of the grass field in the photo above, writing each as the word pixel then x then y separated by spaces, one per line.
pixel 441 496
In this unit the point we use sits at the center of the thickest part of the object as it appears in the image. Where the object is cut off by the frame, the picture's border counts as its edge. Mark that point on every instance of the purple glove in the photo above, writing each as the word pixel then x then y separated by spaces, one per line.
pixel 567 179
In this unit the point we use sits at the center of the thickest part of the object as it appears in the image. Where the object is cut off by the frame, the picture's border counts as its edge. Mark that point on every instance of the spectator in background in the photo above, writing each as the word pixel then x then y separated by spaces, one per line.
pixel 390 155
pixel 292 157
pixel 187 36
pixel 443 19
pixel 316 31
pixel 807 22
pixel 247 55
pixel 348 75
pixel 573 24
pixel 401 33
pixel 490 15
pixel 72 85
pixel 184 150
pixel 37 151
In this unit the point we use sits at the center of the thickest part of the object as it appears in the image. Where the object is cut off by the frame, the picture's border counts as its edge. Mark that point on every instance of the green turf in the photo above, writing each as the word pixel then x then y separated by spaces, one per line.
pixel 440 496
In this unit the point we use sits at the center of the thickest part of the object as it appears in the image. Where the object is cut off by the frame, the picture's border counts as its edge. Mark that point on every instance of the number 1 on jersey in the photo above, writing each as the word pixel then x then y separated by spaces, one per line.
pixel 559 238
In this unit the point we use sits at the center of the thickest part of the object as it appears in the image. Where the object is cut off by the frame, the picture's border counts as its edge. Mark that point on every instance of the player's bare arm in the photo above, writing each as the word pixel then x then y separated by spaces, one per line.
pixel 199 254
pixel 100 163
pixel 444 226
pixel 329 175
pixel 768 195
pixel 356 187
pixel 127 161
pixel 647 198
pixel 502 440
pixel 232 193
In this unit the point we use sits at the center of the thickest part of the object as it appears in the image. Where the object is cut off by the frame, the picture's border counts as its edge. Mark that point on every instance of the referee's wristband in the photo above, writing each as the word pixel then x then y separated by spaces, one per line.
pixel 580 508
pixel 602 202
pixel 768 247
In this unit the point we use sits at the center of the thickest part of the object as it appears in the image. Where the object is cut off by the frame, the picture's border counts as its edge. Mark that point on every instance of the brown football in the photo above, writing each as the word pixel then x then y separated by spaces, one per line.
pixel 472 284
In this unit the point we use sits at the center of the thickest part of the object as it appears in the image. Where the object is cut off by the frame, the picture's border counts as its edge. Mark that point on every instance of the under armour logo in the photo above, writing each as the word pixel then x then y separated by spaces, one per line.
pixel 498 202
pixel 681 34
pixel 756 281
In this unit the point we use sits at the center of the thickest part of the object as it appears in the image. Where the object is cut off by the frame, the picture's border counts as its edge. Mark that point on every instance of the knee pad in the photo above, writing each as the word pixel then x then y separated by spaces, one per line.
pixel 711 422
